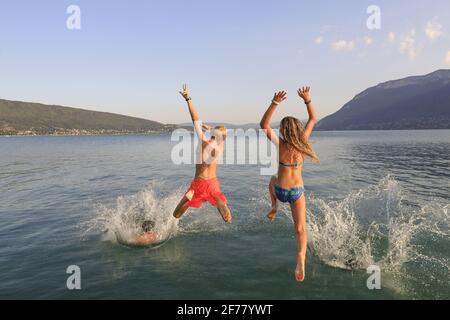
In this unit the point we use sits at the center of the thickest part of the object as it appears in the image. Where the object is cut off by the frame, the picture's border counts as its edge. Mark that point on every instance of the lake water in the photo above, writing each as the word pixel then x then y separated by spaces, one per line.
pixel 376 198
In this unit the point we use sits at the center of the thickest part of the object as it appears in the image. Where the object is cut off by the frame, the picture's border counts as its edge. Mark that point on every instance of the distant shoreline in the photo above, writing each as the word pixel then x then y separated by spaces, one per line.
pixel 169 132
pixel 88 134
pixel 79 132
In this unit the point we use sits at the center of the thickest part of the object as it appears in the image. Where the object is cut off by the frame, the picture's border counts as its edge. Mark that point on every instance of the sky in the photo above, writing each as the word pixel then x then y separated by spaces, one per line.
pixel 131 57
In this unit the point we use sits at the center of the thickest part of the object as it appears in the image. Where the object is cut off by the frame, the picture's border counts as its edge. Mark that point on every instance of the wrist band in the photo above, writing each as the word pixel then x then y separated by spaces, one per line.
pixel 188 99
pixel 276 102
pixel 308 102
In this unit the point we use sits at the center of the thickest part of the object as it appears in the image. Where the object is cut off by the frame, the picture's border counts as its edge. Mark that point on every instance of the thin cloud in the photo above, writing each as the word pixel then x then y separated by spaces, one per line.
pixel 434 29
pixel 391 37
pixel 323 30
pixel 368 40
pixel 408 45
pixel 343 45
pixel 447 59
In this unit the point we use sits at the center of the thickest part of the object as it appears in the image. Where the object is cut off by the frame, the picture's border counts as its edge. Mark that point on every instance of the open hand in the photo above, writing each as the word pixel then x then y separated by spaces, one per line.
pixel 304 93
pixel 185 92
pixel 279 97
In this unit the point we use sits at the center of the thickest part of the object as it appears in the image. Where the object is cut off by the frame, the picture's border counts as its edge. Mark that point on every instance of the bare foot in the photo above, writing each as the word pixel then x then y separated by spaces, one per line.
pixel 224 212
pixel 227 216
pixel 272 214
pixel 300 270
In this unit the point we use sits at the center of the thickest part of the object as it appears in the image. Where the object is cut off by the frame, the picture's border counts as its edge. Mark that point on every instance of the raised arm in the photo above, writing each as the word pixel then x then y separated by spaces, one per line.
pixel 278 98
pixel 194 115
pixel 305 94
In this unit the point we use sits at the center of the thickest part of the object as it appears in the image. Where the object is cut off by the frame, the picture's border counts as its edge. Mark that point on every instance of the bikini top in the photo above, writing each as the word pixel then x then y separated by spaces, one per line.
pixel 295 165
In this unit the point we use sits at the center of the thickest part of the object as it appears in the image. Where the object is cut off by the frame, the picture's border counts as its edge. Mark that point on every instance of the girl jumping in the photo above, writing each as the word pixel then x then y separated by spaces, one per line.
pixel 288 187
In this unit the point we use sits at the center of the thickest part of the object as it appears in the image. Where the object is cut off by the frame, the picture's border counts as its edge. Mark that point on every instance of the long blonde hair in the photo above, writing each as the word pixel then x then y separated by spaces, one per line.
pixel 291 130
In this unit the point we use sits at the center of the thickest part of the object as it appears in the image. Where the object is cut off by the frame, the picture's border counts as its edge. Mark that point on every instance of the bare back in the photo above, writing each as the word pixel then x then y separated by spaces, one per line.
pixel 209 154
pixel 289 177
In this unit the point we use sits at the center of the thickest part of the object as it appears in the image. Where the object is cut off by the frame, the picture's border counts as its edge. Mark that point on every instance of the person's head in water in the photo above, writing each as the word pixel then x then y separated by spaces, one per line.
pixel 148 226
pixel 291 131
pixel 219 133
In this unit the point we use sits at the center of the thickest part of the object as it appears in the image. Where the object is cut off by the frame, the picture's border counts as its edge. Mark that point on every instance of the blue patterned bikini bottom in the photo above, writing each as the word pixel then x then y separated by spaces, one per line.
pixel 289 195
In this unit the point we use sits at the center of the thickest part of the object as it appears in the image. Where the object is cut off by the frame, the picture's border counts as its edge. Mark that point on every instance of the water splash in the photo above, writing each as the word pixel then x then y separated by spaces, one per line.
pixel 121 221
pixel 380 225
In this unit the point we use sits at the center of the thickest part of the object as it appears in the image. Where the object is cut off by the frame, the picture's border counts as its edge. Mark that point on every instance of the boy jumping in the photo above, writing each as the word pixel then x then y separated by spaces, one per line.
pixel 206 185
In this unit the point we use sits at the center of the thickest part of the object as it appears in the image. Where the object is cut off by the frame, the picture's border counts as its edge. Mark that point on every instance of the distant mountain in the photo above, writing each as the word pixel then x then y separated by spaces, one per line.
pixel 420 102
pixel 24 118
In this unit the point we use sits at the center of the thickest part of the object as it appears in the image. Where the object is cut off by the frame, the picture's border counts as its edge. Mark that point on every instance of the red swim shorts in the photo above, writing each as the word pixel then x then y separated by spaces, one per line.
pixel 201 191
